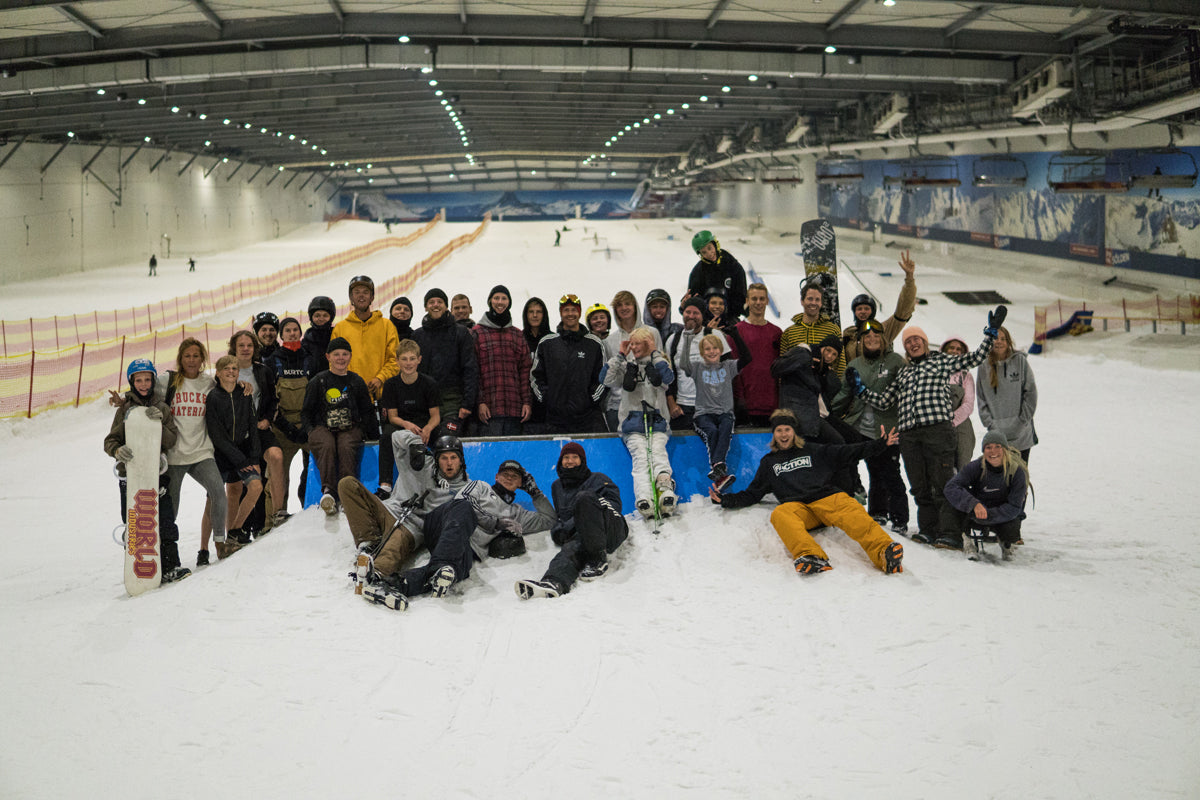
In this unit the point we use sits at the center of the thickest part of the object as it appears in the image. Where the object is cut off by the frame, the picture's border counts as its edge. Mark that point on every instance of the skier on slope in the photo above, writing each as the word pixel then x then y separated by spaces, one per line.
pixel 716 268
pixel 589 526
pixel 141 374
pixel 641 374
pixel 799 474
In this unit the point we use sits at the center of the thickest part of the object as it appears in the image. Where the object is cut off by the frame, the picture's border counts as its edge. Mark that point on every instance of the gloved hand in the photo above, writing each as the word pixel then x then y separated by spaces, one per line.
pixel 631 376
pixel 124 454
pixel 854 381
pixel 416 455
pixel 560 531
pixel 995 320
pixel 154 413
pixel 653 376
pixel 530 485
pixel 509 525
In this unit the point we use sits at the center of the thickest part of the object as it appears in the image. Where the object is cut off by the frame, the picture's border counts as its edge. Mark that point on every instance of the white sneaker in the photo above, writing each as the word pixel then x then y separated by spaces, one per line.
pixel 528 589
pixel 328 504
pixel 441 580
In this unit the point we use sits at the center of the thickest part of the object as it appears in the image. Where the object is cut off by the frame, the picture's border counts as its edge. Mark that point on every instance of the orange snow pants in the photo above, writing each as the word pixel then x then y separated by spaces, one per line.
pixel 792 521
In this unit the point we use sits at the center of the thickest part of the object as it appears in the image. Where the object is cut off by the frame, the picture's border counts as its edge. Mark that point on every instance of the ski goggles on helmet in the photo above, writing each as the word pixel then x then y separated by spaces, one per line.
pixel 569 300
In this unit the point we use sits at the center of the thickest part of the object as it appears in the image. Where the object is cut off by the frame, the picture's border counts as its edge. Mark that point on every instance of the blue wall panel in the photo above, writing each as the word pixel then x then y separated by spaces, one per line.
pixel 689 460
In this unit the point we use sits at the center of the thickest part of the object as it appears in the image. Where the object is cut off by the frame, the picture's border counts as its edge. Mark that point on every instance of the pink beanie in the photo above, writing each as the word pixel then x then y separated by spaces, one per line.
pixel 913 330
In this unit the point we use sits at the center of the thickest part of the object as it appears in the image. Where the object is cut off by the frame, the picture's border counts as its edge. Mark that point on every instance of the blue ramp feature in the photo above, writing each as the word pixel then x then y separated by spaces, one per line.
pixel 607 454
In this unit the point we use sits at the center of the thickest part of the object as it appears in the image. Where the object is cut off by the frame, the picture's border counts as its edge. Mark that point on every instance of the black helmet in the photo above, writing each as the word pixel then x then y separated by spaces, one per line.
pixel 864 300
pixel 362 280
pixel 322 303
pixel 265 318
pixel 447 443
pixel 658 294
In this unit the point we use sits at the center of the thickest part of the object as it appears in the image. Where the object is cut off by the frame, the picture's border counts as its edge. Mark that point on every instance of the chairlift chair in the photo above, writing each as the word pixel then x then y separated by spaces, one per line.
pixel 1087 172
pixel 925 172
pixel 1162 168
pixel 839 171
pixel 999 171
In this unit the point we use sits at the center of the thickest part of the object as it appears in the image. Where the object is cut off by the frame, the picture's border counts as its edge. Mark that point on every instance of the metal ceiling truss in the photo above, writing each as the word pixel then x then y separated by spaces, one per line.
pixel 343 81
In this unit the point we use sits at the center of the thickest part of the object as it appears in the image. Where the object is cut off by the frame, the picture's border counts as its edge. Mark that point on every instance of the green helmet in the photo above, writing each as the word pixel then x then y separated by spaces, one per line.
pixel 702 238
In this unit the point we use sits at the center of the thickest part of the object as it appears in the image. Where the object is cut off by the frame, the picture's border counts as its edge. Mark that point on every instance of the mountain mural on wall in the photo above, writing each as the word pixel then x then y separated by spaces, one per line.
pixel 513 205
pixel 1153 229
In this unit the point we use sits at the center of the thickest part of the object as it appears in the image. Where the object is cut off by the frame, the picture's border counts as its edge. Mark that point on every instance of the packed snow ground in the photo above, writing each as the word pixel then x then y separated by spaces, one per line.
pixel 701 665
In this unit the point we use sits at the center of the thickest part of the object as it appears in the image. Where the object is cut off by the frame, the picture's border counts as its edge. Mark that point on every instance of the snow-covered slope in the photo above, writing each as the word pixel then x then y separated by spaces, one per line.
pixel 701 665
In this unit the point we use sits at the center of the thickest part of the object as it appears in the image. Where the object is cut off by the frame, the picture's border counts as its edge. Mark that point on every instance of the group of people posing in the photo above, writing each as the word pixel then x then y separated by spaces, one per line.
pixel 831 397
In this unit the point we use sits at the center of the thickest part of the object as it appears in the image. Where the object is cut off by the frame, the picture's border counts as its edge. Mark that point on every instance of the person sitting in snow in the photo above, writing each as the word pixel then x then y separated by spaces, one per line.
pixel 458 531
pixel 640 373
pixel 799 474
pixel 989 493
pixel 141 374
pixel 589 527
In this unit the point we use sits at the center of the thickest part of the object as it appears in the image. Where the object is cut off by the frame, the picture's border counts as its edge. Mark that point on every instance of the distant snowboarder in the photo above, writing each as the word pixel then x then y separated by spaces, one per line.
pixel 153 265
pixel 557 238
pixel 191 265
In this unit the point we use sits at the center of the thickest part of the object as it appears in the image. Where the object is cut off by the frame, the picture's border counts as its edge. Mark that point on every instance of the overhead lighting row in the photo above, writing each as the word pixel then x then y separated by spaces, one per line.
pixel 203 116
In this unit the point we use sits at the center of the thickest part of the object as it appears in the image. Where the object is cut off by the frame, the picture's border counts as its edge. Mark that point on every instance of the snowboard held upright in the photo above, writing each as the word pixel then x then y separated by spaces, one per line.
pixel 143 562
pixel 818 245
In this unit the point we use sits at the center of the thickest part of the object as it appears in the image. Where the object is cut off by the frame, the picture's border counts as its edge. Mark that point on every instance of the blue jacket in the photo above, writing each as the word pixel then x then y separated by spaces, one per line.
pixel 979 482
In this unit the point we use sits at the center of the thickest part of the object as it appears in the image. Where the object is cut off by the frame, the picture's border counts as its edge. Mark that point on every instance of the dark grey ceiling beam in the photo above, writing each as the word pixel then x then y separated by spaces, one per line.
pixel 208 14
pixel 965 20
pixel 315 29
pixel 840 17
pixel 1095 18
pixel 1179 8
pixel 715 14
pixel 94 30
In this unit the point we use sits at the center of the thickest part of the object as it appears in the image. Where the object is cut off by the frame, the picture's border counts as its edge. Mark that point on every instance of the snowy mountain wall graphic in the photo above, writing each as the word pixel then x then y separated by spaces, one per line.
pixel 513 205
pixel 1157 231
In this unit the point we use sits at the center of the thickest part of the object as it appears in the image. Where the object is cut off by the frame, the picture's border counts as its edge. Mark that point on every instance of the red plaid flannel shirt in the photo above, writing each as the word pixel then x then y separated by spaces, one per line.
pixel 504 366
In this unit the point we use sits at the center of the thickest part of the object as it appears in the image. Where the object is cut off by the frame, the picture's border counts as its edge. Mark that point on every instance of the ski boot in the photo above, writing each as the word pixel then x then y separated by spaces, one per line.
pixel 666 493
pixel 328 504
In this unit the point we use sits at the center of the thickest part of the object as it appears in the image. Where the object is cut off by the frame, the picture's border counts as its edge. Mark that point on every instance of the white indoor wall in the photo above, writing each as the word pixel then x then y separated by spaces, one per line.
pixel 64 220
pixel 777 206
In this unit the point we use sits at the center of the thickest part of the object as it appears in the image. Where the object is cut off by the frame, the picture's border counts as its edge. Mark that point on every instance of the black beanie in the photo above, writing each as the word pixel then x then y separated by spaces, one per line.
pixel 337 343
pixel 503 290
pixel 435 292
pixel 832 340
pixel 401 301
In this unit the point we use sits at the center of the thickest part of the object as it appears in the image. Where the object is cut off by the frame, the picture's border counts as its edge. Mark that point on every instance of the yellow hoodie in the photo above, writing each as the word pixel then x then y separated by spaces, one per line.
pixel 373 346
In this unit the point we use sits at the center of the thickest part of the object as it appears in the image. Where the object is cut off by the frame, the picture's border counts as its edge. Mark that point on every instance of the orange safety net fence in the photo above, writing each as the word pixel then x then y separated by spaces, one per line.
pixel 54 333
pixel 1181 308
pixel 38 380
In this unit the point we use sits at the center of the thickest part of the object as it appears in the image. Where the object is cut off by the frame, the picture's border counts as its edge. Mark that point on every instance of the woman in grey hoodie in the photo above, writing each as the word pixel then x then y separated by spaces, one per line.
pixel 1006 394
